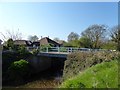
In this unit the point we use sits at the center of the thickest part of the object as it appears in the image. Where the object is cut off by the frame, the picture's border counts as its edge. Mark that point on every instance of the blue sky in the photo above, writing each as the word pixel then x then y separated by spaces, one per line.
pixel 56 19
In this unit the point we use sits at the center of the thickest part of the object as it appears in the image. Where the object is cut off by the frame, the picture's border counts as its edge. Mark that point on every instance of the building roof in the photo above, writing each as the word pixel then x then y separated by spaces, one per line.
pixel 22 42
pixel 47 40
pixel 0 40
pixel 60 42
pixel 37 43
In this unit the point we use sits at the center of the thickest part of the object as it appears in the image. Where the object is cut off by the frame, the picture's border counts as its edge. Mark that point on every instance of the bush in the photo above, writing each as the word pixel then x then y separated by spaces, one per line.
pixel 35 51
pixel 43 48
pixel 79 61
pixel 23 52
pixel 104 75
pixel 22 49
pixel 19 70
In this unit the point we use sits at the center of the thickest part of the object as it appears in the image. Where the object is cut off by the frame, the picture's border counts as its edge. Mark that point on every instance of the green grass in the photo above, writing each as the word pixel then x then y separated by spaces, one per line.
pixel 104 75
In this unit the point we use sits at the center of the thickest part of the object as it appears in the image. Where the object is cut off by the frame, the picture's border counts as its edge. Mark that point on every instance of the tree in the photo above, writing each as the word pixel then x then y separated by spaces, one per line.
pixel 33 38
pixel 14 35
pixel 109 45
pixel 73 43
pixel 56 39
pixel 10 43
pixel 85 42
pixel 95 33
pixel 73 36
pixel 115 35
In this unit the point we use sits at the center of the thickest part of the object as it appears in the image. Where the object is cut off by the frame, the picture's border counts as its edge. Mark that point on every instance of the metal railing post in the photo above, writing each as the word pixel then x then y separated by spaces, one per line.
pixel 71 50
pixel 68 50
pixel 58 49
pixel 47 49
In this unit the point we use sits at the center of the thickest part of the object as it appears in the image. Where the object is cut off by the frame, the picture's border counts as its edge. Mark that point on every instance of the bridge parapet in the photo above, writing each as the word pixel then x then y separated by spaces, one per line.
pixel 68 49
pixel 64 49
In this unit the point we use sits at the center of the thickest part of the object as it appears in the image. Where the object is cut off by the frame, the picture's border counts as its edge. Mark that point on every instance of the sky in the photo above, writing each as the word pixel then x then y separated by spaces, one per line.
pixel 55 19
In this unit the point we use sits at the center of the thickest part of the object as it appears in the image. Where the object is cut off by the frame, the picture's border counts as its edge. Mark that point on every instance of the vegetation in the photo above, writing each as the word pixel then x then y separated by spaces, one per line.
pixel 95 34
pixel 15 68
pixel 14 35
pixel 44 47
pixel 85 42
pixel 33 38
pixel 104 75
pixel 18 71
pixel 73 36
pixel 115 35
pixel 73 43
pixel 95 37
pixel 79 61
pixel 35 51
pixel 10 44
pixel 19 67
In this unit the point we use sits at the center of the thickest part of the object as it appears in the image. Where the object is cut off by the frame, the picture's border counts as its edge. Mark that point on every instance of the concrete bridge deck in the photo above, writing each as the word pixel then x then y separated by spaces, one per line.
pixel 54 54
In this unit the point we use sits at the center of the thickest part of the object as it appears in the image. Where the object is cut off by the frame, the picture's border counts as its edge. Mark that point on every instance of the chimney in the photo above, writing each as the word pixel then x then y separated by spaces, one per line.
pixel 48 36
pixel 41 37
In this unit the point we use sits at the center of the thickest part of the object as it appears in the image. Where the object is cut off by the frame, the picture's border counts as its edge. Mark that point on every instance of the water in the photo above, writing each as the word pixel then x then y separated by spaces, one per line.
pixel 46 79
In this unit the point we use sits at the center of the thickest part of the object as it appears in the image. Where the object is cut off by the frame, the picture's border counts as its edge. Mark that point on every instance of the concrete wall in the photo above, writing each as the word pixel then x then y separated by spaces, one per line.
pixel 39 63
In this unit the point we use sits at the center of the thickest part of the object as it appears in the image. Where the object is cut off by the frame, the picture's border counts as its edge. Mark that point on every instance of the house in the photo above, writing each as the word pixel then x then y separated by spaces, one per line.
pixel 46 41
pixel 61 42
pixel 35 44
pixel 22 42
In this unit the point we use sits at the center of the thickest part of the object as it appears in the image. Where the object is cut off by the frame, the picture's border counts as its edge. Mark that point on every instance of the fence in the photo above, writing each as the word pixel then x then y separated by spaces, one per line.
pixel 63 49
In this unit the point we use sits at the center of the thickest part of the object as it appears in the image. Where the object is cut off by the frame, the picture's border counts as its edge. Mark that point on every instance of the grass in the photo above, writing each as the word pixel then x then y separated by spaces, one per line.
pixel 104 75
pixel 80 61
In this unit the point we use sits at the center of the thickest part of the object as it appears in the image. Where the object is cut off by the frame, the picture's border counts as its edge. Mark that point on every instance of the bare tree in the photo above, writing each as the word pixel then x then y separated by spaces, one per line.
pixel 115 35
pixel 95 33
pixel 14 35
pixel 73 36
pixel 56 39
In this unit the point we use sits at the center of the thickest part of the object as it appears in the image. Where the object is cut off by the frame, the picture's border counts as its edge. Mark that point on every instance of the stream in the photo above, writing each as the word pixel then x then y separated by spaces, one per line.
pixel 47 79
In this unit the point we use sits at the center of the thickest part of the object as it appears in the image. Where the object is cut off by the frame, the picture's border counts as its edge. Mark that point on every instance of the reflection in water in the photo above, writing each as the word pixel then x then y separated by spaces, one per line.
pixel 47 79
pixel 50 78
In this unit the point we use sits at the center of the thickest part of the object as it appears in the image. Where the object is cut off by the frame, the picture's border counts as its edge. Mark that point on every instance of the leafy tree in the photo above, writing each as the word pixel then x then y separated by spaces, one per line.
pixel 10 43
pixel 73 43
pixel 33 38
pixel 44 47
pixel 109 45
pixel 115 35
pixel 85 42
pixel 95 33
pixel 73 36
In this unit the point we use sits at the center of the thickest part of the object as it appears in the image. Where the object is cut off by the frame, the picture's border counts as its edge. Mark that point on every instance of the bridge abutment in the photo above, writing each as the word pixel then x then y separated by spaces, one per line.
pixel 42 63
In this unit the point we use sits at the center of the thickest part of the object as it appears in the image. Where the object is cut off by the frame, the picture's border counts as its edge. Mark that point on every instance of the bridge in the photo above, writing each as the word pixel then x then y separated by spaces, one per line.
pixel 54 57
pixel 61 52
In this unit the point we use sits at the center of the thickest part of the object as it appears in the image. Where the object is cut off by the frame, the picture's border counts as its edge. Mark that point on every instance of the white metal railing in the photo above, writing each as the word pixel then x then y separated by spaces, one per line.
pixel 63 49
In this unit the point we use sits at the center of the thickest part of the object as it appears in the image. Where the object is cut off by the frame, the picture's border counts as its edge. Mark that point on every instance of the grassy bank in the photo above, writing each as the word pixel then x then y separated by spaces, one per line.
pixel 104 75
pixel 80 61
